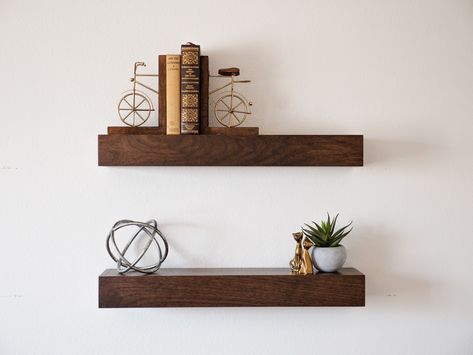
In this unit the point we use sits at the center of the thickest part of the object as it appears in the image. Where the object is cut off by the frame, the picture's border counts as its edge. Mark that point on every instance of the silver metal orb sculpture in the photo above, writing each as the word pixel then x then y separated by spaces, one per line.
pixel 148 230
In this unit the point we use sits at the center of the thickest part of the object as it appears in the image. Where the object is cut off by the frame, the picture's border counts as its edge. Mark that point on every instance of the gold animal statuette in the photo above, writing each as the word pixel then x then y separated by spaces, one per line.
pixel 306 265
pixel 296 262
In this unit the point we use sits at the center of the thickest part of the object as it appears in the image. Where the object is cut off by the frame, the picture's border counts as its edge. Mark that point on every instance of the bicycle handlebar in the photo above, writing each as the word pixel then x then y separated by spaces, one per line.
pixel 138 64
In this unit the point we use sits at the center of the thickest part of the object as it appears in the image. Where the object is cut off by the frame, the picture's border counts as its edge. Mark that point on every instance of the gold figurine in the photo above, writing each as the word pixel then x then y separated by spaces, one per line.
pixel 301 263
pixel 306 267
pixel 296 263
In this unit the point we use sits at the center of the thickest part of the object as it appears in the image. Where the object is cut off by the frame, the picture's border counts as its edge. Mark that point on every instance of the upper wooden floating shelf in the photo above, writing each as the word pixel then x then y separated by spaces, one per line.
pixel 265 287
pixel 240 147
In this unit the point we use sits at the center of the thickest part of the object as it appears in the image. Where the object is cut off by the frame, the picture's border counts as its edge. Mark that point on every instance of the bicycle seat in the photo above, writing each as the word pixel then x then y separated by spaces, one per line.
pixel 229 71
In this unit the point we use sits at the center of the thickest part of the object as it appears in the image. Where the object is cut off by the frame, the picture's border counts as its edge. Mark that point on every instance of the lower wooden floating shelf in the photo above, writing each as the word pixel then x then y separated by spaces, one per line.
pixel 228 287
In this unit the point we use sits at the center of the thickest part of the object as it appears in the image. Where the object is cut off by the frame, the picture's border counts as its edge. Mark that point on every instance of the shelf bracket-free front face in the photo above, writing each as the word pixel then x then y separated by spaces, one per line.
pixel 229 150
pixel 243 287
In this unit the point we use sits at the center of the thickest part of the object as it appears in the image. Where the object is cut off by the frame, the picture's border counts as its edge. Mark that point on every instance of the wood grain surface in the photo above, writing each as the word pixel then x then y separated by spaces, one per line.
pixel 267 287
pixel 227 150
pixel 136 130
pixel 233 131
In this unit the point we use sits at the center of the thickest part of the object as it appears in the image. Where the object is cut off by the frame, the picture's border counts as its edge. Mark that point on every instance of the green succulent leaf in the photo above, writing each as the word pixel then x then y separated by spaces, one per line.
pixel 325 234
pixel 318 226
pixel 316 240
pixel 337 240
pixel 341 230
pixel 314 231
pixel 333 224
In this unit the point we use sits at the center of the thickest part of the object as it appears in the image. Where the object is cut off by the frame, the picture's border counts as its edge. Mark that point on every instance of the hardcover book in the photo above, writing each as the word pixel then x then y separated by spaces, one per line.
pixel 190 88
pixel 173 94
pixel 162 93
pixel 204 94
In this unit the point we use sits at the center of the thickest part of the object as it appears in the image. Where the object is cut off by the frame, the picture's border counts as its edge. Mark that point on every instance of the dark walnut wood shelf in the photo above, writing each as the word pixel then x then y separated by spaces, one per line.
pixel 265 287
pixel 234 149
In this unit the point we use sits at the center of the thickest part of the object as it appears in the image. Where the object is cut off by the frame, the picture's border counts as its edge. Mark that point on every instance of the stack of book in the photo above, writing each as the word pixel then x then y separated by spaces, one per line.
pixel 183 91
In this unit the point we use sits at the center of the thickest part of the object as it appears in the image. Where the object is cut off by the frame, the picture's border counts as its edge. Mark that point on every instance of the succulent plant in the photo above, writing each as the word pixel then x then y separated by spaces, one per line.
pixel 324 234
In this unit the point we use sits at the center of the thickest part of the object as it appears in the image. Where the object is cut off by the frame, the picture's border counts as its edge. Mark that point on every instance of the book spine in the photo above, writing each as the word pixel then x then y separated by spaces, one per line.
pixel 162 93
pixel 204 94
pixel 190 88
pixel 173 94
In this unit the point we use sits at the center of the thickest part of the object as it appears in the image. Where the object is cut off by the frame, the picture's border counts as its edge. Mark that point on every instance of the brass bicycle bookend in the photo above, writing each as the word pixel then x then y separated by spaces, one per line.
pixel 134 108
pixel 231 108
pixel 301 263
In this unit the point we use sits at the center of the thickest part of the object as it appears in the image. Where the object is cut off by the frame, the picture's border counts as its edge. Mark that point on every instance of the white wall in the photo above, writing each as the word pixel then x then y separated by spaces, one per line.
pixel 399 72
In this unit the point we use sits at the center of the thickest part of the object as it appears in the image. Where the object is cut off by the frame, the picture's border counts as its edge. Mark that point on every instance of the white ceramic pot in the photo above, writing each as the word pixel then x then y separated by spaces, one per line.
pixel 329 259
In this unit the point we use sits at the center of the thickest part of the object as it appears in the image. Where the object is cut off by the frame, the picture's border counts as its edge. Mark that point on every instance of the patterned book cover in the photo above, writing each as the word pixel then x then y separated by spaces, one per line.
pixel 190 88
